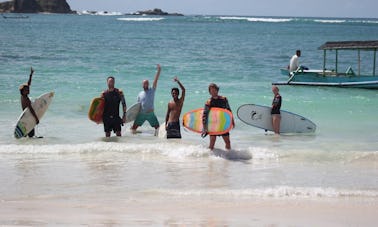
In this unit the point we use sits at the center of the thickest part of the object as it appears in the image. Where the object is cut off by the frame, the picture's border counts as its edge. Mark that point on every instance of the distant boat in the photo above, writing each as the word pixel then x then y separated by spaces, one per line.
pixel 335 78
pixel 15 17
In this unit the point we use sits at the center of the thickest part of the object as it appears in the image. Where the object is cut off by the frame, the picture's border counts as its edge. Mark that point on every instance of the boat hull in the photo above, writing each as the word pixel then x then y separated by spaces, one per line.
pixel 329 78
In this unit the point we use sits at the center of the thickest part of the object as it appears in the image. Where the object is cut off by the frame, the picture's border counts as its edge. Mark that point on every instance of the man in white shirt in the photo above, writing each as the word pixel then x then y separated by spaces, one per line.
pixel 146 99
pixel 294 61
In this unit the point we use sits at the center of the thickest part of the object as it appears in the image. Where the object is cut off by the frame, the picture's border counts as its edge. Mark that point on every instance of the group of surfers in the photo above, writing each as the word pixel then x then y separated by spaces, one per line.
pixel 114 97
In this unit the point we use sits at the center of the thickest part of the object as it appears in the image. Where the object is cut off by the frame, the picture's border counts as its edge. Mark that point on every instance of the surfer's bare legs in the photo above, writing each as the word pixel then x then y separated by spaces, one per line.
pixel 156 130
pixel 212 142
pixel 276 122
pixel 227 142
pixel 134 128
pixel 107 134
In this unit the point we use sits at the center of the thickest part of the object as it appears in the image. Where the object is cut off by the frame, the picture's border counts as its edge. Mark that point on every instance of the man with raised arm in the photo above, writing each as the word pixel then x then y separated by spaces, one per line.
pixel 172 118
pixel 25 101
pixel 146 99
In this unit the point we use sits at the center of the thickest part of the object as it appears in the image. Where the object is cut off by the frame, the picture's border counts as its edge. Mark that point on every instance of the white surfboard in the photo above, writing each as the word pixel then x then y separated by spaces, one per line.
pixel 162 131
pixel 26 122
pixel 260 117
pixel 132 112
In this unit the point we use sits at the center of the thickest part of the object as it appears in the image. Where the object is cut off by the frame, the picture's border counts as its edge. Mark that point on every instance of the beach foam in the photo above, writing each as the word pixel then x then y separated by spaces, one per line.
pixel 330 21
pixel 174 150
pixel 258 19
pixel 275 192
pixel 140 19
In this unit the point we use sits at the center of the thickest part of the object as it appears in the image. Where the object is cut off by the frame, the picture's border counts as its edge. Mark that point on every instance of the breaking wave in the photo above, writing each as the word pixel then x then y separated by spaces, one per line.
pixel 273 192
pixel 140 19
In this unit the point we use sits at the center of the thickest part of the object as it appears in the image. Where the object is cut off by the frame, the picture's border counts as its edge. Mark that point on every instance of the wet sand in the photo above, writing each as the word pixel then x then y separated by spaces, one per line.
pixel 203 212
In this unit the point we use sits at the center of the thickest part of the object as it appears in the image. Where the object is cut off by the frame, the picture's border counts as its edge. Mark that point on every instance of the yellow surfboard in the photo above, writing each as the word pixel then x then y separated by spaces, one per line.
pixel 96 110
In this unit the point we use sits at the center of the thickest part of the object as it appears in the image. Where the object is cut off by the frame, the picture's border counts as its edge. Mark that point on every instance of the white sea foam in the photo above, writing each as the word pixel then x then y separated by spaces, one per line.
pixel 258 19
pixel 339 21
pixel 281 20
pixel 141 19
pixel 273 192
pixel 365 21
pixel 174 150
pixel 329 21
pixel 262 154
pixel 185 149
pixel 272 20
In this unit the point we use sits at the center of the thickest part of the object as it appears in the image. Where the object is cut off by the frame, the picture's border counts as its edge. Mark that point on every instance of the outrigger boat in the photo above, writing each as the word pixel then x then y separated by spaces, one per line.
pixel 15 17
pixel 335 78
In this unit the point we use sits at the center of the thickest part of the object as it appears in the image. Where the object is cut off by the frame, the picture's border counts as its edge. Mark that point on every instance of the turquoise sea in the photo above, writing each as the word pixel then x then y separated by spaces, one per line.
pixel 73 54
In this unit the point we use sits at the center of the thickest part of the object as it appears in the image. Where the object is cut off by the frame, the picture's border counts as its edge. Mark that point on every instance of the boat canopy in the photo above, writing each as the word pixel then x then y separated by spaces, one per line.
pixel 370 45
pixel 350 45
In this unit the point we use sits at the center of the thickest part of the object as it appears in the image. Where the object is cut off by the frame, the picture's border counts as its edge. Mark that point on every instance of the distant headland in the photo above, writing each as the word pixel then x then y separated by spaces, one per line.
pixel 61 6
pixel 36 6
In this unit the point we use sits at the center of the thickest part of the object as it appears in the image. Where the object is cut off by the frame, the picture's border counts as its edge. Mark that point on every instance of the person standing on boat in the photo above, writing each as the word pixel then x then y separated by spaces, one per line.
pixel 25 101
pixel 146 99
pixel 294 61
pixel 113 97
pixel 276 113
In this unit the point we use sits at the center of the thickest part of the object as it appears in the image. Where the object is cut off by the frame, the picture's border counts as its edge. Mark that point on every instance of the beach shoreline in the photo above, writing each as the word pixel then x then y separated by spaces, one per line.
pixel 190 211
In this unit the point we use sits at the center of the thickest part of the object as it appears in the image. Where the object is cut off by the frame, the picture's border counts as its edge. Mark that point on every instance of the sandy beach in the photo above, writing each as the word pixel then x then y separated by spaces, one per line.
pixel 193 212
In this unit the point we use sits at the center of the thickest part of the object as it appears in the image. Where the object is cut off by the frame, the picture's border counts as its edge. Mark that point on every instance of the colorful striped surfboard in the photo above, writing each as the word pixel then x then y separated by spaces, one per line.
pixel 96 110
pixel 219 121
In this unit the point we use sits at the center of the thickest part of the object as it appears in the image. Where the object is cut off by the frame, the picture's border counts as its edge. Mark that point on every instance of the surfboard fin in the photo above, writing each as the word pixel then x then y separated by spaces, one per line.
pixel 204 134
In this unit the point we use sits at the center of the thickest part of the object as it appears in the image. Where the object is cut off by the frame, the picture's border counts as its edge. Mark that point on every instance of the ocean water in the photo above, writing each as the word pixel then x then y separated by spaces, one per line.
pixel 72 55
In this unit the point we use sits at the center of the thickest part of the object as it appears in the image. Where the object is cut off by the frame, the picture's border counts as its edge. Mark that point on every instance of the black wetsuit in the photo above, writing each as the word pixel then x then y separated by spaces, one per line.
pixel 220 102
pixel 276 105
pixel 110 117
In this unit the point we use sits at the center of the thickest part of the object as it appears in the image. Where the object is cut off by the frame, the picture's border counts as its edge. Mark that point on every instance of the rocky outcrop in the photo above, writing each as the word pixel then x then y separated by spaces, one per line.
pixel 26 6
pixel 36 6
pixel 157 12
pixel 55 6
pixel 6 7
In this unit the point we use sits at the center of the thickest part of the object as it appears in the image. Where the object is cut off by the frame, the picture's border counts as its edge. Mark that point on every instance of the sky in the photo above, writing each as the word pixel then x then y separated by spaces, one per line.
pixel 297 8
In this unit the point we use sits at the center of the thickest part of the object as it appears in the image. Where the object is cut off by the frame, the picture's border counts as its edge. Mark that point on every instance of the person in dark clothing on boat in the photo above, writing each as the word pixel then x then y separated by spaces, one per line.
pixel 172 118
pixel 25 101
pixel 216 101
pixel 113 97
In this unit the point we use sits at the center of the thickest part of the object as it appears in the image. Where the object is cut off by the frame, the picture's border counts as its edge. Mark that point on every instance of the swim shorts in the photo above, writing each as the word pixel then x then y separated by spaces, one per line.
pixel 112 123
pixel 173 130
pixel 150 117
